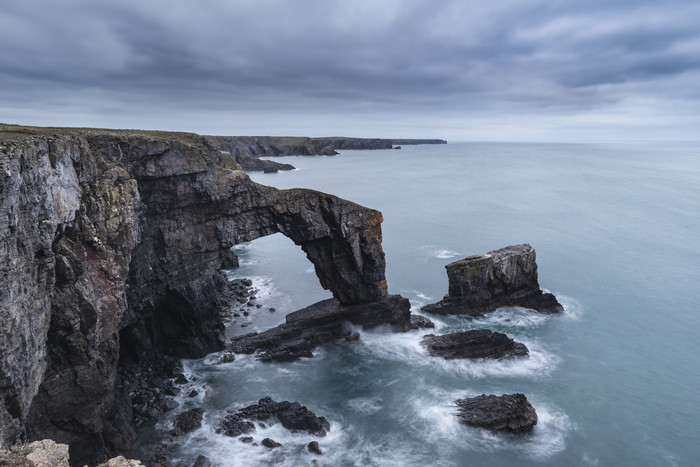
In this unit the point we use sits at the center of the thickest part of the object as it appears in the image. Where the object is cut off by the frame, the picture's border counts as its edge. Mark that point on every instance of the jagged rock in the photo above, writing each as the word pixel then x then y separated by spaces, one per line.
pixel 477 343
pixel 421 322
pixel 246 439
pixel 47 452
pixel 13 459
pixel 483 283
pixel 189 420
pixel 314 448
pixel 291 415
pixel 202 461
pixel 270 443
pixel 509 412
pixel 322 323
pixel 235 425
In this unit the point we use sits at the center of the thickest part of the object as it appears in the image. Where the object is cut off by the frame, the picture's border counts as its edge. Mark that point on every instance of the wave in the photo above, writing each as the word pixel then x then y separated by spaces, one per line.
pixel 406 348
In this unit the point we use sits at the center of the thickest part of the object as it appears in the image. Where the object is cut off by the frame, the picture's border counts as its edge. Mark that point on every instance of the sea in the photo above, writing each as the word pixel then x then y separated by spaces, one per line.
pixel 614 378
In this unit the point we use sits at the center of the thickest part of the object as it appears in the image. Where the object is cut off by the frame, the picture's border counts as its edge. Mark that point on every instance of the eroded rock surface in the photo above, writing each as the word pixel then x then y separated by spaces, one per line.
pixel 111 245
pixel 482 283
pixel 477 343
pixel 510 412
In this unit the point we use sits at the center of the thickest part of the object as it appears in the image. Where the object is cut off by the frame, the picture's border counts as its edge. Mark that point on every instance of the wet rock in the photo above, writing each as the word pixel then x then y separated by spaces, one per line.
pixel 509 412
pixel 291 415
pixel 169 404
pixel 202 461
pixel 420 322
pixel 181 379
pixel 235 425
pixel 322 323
pixel 477 343
pixel 193 393
pixel 189 420
pixel 483 283
pixel 270 443
pixel 227 357
pixel 246 439
pixel 314 448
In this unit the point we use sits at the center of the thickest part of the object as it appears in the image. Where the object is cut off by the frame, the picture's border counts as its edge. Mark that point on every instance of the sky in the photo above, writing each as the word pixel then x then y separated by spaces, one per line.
pixel 519 70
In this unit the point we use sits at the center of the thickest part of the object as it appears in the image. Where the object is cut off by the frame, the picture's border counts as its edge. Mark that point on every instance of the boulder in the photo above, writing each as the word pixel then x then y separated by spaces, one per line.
pixel 482 283
pixel 509 412
pixel 189 420
pixel 477 343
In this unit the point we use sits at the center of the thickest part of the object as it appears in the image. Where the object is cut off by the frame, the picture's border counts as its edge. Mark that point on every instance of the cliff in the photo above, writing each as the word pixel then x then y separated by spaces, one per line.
pixel 111 246
pixel 247 150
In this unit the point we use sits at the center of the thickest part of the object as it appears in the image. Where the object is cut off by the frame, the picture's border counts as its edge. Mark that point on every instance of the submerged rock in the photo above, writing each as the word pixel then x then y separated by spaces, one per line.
pixel 483 283
pixel 477 343
pixel 509 412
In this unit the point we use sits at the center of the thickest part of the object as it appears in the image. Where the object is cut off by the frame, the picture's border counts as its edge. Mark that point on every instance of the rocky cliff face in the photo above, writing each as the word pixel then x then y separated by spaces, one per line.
pixel 111 245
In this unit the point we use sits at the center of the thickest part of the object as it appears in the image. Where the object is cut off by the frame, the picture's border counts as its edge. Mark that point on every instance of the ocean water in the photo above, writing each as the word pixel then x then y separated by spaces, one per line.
pixel 614 378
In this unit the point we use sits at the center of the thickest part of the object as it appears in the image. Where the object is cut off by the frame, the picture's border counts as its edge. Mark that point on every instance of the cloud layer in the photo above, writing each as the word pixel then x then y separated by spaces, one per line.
pixel 465 70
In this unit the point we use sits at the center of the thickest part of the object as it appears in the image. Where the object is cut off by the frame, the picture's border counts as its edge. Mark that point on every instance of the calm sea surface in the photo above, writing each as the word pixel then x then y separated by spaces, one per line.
pixel 615 378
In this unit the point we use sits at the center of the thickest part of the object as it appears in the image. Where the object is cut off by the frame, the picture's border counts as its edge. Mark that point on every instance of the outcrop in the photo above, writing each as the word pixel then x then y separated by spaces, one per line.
pixel 510 412
pixel 483 283
pixel 111 248
pixel 324 322
pixel 292 415
pixel 477 343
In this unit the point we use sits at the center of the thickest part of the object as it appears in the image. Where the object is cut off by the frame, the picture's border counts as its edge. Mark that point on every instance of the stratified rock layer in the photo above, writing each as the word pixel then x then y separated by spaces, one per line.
pixel 477 343
pixel 509 412
pixel 482 283
pixel 111 245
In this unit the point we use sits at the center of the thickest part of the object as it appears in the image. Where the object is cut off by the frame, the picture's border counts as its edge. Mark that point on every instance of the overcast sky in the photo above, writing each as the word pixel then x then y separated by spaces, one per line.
pixel 461 70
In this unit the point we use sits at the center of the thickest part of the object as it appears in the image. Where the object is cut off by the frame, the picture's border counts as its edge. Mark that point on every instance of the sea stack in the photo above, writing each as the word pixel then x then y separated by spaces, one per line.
pixel 482 283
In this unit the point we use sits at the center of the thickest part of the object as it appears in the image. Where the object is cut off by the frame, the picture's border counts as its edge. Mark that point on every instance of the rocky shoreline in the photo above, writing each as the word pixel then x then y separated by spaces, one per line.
pixel 113 247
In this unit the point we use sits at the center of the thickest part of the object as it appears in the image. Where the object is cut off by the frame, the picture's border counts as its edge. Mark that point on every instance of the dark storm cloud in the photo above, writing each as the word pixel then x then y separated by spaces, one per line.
pixel 393 55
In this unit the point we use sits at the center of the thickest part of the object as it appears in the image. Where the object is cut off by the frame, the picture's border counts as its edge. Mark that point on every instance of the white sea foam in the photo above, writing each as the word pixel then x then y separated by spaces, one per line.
pixel 365 405
pixel 439 423
pixel 439 252
pixel 406 348
pixel 512 316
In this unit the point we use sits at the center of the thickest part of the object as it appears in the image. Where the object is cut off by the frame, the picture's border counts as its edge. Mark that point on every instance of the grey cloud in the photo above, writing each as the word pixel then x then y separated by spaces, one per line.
pixel 523 56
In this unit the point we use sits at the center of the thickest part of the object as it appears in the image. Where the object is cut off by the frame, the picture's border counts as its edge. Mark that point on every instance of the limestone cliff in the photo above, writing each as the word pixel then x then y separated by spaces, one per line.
pixel 111 245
